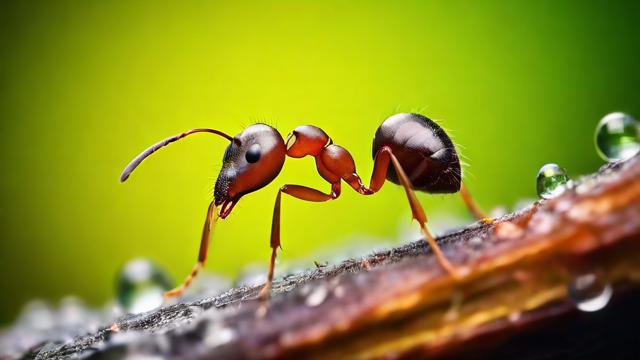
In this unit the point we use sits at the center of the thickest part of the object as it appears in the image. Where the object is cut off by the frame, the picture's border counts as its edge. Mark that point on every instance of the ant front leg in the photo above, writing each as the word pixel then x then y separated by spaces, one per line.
pixel 299 192
pixel 212 218
pixel 381 164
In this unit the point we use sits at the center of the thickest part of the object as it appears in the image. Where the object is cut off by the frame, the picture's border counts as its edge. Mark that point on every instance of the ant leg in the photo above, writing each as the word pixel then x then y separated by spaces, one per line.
pixel 472 206
pixel 299 192
pixel 383 157
pixel 380 166
pixel 202 255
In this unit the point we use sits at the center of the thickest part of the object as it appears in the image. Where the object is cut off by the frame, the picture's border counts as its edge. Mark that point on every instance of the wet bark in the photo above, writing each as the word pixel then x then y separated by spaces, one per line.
pixel 512 301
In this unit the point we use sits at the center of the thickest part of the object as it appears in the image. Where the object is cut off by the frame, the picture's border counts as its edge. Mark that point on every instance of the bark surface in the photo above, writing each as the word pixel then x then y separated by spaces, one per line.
pixel 514 300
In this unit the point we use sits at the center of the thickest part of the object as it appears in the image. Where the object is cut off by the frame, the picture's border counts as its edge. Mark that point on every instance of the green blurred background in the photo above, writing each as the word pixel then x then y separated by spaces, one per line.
pixel 86 85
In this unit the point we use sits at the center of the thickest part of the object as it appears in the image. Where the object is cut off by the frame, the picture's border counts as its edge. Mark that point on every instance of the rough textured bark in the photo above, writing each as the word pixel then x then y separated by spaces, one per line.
pixel 512 302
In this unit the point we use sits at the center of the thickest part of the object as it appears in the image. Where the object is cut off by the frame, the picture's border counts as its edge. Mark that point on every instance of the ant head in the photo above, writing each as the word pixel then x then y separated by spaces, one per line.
pixel 306 140
pixel 251 161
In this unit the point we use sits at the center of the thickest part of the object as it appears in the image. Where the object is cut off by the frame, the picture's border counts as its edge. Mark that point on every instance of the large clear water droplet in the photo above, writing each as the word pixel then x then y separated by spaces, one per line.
pixel 141 285
pixel 590 292
pixel 618 136
pixel 551 181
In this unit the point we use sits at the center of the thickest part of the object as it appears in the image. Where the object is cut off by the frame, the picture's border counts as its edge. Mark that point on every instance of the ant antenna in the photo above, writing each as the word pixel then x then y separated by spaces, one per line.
pixel 153 148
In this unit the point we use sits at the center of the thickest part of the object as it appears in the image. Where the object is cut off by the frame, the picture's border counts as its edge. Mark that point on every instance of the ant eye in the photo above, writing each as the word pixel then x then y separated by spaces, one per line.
pixel 253 154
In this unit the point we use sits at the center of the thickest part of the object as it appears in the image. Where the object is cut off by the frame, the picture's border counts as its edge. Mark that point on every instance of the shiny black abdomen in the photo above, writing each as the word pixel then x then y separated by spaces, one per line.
pixel 424 150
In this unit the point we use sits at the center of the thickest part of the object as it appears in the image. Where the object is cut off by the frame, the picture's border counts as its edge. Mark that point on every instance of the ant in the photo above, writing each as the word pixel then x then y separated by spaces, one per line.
pixel 422 156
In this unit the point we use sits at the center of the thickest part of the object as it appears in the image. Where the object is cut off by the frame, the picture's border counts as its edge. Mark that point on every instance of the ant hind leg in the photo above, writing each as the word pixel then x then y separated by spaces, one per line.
pixel 383 157
pixel 474 209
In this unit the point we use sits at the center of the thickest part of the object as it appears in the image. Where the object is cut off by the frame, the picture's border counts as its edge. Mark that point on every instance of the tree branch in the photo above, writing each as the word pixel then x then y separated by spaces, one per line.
pixel 399 302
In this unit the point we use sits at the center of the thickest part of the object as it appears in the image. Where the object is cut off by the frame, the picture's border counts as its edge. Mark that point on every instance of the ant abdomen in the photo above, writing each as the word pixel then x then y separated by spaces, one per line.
pixel 424 150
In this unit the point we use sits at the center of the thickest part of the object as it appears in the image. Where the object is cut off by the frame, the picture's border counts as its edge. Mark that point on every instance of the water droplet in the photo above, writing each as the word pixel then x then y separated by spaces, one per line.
pixel 141 285
pixel 475 242
pixel 37 315
pixel 508 230
pixel 216 334
pixel 618 136
pixel 208 285
pixel 252 275
pixel 590 292
pixel 498 211
pixel 543 223
pixel 317 296
pixel 514 316
pixel 73 316
pixel 551 181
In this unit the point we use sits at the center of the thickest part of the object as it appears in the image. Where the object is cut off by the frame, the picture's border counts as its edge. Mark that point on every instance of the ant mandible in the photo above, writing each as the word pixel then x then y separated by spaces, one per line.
pixel 423 158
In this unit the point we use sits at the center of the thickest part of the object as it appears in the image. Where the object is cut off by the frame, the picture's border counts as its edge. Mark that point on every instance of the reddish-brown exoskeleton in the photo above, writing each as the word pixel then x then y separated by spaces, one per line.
pixel 423 158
